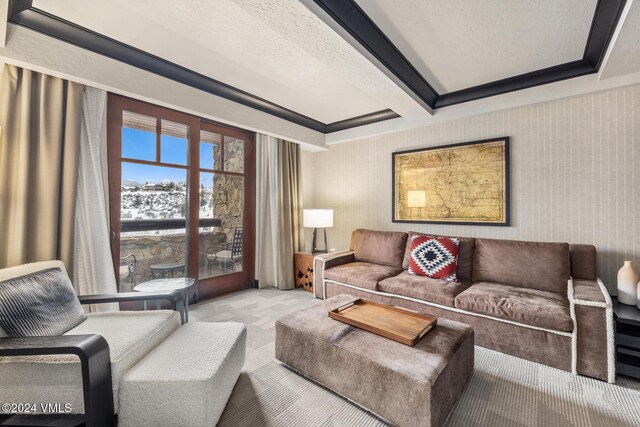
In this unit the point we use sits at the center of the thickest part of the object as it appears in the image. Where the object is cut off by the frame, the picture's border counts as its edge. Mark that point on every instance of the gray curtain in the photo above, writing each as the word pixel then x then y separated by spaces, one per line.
pixel 278 208
pixel 291 193
pixel 40 119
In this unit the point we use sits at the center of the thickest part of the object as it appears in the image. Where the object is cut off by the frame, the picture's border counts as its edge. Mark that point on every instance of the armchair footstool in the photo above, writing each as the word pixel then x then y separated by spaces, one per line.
pixel 187 379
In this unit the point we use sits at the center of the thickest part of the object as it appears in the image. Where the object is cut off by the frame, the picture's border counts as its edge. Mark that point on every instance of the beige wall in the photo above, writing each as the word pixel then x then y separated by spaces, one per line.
pixel 575 175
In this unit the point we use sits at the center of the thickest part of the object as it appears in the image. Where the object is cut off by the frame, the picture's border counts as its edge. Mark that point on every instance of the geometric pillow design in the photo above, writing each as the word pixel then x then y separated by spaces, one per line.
pixel 435 257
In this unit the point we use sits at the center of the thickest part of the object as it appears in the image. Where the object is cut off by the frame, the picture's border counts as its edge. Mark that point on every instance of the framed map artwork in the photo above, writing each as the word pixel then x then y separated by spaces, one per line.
pixel 464 183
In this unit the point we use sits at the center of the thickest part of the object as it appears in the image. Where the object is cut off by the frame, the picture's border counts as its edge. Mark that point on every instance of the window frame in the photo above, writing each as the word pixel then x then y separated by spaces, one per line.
pixel 208 287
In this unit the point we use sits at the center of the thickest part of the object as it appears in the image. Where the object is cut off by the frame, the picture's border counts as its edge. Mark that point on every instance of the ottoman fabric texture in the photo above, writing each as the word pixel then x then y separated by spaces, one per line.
pixel 405 385
pixel 187 379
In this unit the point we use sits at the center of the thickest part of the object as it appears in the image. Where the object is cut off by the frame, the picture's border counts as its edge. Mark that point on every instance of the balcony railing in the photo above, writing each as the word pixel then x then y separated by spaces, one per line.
pixel 127 226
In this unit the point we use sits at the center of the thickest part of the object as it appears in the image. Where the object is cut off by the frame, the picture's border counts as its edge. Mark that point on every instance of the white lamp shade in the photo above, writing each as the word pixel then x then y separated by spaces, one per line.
pixel 417 199
pixel 317 218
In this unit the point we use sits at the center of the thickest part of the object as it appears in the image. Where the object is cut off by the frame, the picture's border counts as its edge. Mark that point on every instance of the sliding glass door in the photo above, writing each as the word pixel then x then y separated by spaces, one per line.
pixel 181 198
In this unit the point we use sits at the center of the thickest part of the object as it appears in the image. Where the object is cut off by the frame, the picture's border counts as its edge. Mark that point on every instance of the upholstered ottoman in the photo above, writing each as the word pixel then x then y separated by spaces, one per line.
pixel 407 386
pixel 186 380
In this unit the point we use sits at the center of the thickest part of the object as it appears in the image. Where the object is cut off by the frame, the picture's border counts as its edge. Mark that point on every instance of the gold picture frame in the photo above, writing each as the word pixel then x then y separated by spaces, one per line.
pixel 465 183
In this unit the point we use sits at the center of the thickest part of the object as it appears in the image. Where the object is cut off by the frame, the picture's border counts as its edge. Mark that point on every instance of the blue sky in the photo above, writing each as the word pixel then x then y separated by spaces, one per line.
pixel 141 145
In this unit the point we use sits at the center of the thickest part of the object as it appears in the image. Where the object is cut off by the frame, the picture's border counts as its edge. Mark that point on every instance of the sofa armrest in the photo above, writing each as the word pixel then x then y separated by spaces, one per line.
pixel 324 261
pixel 590 292
pixel 95 362
pixel 591 310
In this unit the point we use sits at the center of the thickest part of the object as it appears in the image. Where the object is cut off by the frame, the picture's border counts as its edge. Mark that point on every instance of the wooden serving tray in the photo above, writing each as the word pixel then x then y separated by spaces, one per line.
pixel 399 324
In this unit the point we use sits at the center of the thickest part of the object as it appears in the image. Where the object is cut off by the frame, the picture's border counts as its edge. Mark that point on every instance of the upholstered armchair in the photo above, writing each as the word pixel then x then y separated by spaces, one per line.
pixel 81 369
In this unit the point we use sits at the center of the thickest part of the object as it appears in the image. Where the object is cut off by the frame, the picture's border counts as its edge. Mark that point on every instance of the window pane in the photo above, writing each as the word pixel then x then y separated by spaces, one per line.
pixel 174 142
pixel 138 136
pixel 220 246
pixel 206 195
pixel 210 150
pixel 158 194
pixel 153 192
pixel 149 255
pixel 233 154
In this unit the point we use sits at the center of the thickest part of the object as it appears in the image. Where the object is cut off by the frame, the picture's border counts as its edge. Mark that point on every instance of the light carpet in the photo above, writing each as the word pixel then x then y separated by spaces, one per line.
pixel 504 390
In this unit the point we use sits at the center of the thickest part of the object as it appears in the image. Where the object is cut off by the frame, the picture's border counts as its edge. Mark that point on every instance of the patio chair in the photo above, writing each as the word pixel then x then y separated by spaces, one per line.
pixel 128 267
pixel 226 254
pixel 89 368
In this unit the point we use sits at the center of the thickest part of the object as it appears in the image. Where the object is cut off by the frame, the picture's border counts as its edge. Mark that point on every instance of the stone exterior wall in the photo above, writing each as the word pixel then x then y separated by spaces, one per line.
pixel 228 201
pixel 233 155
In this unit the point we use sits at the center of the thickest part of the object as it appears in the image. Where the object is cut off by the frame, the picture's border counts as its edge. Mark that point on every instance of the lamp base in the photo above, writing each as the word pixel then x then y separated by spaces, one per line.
pixel 314 249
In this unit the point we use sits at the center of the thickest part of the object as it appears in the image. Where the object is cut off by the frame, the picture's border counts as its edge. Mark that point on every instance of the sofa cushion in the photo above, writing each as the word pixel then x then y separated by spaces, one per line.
pixel 583 262
pixel 378 247
pixel 424 288
pixel 535 265
pixel 42 303
pixel 434 257
pixel 361 274
pixel 465 255
pixel 532 307
pixel 57 379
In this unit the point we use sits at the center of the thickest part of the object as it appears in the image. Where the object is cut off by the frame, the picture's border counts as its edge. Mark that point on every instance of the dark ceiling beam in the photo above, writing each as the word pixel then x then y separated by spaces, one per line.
pixel 69 32
pixel 604 24
pixel 511 84
pixel 22 12
pixel 354 21
pixel 361 28
pixel 17 6
pixel 366 119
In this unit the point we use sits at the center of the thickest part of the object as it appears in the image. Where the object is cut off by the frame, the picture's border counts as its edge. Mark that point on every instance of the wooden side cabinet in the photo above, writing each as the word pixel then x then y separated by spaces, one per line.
pixel 627 324
pixel 303 270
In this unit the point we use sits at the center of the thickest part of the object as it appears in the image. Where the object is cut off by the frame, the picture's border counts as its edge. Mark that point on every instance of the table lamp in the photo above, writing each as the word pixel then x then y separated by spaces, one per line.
pixel 317 218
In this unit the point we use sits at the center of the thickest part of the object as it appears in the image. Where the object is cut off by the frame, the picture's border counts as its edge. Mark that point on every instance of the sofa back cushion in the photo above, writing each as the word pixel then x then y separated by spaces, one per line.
pixel 534 265
pixel 583 262
pixel 378 247
pixel 466 247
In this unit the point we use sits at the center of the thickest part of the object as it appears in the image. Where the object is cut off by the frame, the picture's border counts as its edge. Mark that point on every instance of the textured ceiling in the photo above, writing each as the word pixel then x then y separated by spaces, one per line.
pixel 276 49
pixel 458 44
pixel 281 51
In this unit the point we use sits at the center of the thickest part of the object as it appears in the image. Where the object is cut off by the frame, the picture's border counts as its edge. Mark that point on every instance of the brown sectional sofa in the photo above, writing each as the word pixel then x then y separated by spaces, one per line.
pixel 538 301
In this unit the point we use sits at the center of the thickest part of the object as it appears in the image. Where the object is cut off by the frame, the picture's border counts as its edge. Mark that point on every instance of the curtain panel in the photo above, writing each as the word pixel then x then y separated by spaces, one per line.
pixel 278 208
pixel 40 120
pixel 93 268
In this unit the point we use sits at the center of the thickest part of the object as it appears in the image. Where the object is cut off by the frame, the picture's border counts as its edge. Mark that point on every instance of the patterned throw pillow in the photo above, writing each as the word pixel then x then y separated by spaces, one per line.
pixel 435 257
pixel 39 304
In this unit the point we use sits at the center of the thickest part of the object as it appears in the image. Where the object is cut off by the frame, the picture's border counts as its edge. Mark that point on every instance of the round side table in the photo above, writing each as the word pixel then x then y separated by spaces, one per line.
pixel 183 284
pixel 166 269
